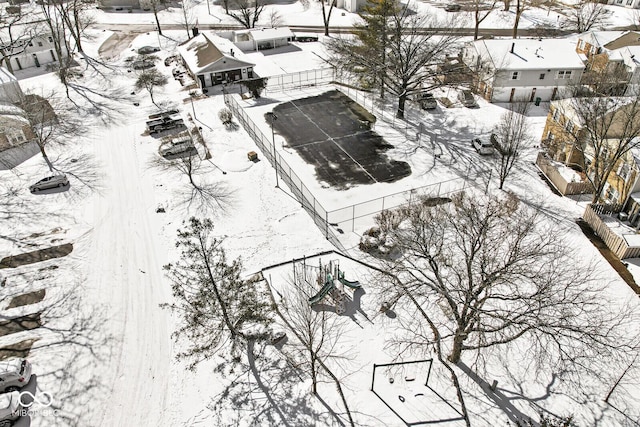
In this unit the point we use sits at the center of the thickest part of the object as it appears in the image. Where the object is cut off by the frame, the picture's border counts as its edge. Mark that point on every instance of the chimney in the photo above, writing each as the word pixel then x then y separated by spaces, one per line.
pixel 195 31
pixel 513 45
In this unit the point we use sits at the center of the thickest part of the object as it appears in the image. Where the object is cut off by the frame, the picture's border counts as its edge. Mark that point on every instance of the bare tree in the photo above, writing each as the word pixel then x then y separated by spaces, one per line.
pixel 600 132
pixel 480 16
pixel 155 6
pixel 485 272
pixel 511 137
pixel 326 14
pixel 16 33
pixel 187 16
pixel 213 302
pixel 149 79
pixel 248 12
pixel 521 6
pixel 52 121
pixel 75 18
pixel 585 15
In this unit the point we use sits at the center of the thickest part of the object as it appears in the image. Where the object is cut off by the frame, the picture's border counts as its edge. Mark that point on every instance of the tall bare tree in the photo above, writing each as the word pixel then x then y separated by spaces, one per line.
pixel 484 272
pixel 326 14
pixel 521 6
pixel 187 16
pixel 480 13
pixel 601 131
pixel 511 137
pixel 585 15
pixel 53 121
pixel 248 12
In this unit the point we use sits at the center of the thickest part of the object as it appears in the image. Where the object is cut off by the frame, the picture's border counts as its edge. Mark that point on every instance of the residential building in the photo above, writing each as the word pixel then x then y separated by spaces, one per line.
pixel 262 38
pixel 15 129
pixel 213 60
pixel 10 90
pixel 31 46
pixel 565 135
pixel 523 69
pixel 631 4
pixel 611 60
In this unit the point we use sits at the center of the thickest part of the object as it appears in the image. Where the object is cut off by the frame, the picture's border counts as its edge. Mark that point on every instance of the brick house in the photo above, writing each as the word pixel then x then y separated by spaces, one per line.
pixel 564 130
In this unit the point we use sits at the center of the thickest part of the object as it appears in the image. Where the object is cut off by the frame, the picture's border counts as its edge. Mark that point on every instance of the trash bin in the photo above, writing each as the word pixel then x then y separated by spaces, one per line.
pixel 538 99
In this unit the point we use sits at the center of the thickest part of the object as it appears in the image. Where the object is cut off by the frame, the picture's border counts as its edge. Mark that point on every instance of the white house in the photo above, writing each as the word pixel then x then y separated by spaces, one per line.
pixel 31 46
pixel 631 4
pixel 10 90
pixel 212 60
pixel 262 38
pixel 516 69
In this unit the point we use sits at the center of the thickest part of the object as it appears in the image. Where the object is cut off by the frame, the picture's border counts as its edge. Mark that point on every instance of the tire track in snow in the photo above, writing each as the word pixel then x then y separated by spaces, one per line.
pixel 127 276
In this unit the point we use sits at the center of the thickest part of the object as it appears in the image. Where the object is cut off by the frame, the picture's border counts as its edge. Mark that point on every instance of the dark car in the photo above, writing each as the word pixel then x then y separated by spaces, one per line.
pixel 452 7
pixel 426 101
pixel 145 50
pixel 55 181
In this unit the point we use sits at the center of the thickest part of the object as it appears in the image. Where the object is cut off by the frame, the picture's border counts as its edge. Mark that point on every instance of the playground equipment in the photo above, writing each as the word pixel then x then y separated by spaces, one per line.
pixel 330 277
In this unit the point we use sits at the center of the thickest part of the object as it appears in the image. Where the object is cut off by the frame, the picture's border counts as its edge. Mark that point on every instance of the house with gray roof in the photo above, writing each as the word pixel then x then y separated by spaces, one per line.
pixel 213 60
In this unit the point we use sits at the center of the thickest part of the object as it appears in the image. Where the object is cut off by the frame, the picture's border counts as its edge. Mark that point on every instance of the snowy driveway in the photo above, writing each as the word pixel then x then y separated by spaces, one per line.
pixel 125 276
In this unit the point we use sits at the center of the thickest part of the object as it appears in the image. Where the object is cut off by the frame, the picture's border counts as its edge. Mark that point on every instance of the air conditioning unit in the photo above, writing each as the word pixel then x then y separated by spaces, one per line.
pixel 623 216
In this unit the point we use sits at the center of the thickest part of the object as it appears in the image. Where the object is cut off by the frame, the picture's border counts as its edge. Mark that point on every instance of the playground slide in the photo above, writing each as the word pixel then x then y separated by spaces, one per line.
pixel 323 292
pixel 353 285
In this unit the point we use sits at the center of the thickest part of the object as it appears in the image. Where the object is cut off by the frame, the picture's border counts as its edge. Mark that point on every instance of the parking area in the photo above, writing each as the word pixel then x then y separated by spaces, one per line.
pixel 332 132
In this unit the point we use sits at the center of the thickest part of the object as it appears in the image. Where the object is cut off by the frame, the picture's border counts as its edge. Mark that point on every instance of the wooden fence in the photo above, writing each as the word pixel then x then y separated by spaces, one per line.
pixel 618 244
pixel 565 188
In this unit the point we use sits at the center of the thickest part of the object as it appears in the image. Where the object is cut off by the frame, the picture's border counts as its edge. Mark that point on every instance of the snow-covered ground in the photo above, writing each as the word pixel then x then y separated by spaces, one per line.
pixel 106 352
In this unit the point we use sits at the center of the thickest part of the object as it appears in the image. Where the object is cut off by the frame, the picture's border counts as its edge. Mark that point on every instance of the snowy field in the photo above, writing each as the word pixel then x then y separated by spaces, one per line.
pixel 105 352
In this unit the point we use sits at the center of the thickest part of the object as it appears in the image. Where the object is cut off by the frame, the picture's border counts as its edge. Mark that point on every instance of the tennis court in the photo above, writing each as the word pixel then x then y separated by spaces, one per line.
pixel 332 132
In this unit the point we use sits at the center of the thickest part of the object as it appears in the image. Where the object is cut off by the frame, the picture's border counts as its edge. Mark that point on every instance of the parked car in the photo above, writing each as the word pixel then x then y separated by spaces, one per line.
pixel 482 147
pixel 54 181
pixel 10 408
pixel 426 101
pixel 14 374
pixel 180 149
pixel 453 7
pixel 145 50
pixel 467 99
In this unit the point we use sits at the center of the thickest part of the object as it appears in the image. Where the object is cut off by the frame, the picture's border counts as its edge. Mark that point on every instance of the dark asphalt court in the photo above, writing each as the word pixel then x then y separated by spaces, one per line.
pixel 330 132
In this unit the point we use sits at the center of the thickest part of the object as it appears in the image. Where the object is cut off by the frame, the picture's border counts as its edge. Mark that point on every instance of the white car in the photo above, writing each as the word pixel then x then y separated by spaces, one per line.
pixel 10 408
pixel 14 374
pixel 55 181
pixel 482 147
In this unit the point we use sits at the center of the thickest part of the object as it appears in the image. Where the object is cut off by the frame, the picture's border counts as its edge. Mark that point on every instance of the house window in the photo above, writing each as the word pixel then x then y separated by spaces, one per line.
pixel 629 2
pixel 15 137
pixel 581 44
pixel 515 75
pixel 556 115
pixel 550 136
pixel 250 72
pixel 618 1
pixel 564 75
pixel 541 76
pixel 611 194
pixel 624 172
pixel 569 126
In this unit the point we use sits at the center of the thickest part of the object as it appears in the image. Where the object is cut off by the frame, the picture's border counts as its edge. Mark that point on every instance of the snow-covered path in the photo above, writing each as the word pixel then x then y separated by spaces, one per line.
pixel 126 277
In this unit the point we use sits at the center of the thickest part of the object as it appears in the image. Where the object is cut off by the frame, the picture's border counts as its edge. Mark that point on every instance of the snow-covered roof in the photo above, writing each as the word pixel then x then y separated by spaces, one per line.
pixel 601 38
pixel 6 76
pixel 210 53
pixel 530 54
pixel 8 109
pixel 264 34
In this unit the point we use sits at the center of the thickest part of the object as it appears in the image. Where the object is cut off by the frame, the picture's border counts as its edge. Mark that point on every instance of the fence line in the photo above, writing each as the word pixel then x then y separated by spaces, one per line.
pixel 300 79
pixel 326 220
pixel 616 243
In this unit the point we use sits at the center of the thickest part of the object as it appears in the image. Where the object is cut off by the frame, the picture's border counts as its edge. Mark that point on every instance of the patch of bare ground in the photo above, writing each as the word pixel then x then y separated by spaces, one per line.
pixel 28 298
pixel 20 349
pixel 36 256
pixel 19 324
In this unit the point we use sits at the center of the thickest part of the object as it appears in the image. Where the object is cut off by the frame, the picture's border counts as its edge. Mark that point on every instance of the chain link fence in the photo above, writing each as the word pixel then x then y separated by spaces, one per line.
pixel 283 82
pixel 355 216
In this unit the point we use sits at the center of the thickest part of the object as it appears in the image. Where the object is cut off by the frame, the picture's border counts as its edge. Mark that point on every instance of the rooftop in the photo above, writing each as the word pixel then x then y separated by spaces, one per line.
pixel 531 54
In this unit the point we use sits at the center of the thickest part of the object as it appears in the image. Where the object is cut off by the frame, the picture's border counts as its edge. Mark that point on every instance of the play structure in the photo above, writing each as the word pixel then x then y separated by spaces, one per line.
pixel 329 277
